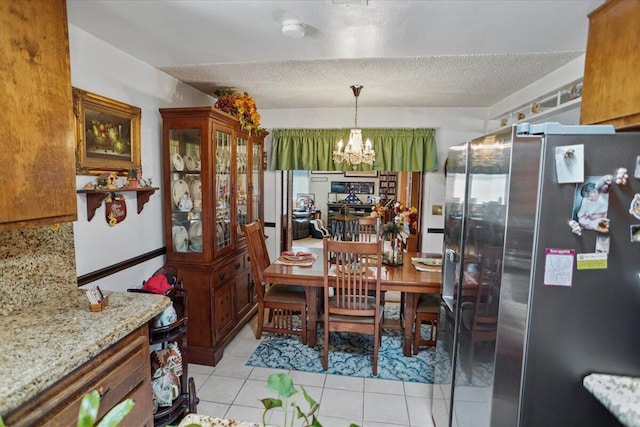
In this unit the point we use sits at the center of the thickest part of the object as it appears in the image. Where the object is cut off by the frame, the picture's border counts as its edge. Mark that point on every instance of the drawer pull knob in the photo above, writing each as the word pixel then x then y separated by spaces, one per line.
pixel 221 276
pixel 237 265
pixel 102 391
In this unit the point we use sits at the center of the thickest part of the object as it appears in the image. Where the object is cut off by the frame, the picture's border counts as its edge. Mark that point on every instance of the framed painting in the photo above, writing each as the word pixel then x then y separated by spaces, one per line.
pixel 107 134
pixel 361 174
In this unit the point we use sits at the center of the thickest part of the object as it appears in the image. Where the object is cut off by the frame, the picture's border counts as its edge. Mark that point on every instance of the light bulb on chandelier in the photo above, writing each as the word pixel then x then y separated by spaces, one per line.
pixel 355 152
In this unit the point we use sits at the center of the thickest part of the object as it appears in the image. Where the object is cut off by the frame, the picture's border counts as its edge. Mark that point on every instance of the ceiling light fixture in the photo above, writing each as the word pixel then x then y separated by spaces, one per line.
pixel 293 29
pixel 355 153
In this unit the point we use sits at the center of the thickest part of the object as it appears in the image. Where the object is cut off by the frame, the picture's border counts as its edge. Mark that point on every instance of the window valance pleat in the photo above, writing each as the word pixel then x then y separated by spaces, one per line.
pixel 397 150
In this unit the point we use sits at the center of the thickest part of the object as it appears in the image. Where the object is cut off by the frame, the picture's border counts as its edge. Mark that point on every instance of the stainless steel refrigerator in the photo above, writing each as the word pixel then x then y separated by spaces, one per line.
pixel 541 278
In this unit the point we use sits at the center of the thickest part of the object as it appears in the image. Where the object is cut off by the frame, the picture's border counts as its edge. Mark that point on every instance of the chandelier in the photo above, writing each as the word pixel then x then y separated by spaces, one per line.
pixel 355 152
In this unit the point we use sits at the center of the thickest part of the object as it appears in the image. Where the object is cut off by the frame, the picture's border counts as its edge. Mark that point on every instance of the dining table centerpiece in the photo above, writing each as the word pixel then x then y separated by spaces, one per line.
pixel 396 231
pixel 393 244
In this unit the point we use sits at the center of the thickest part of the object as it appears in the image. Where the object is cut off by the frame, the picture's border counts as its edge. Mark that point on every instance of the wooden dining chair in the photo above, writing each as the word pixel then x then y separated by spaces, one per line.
pixel 367 229
pixel 368 232
pixel 427 309
pixel 282 301
pixel 352 276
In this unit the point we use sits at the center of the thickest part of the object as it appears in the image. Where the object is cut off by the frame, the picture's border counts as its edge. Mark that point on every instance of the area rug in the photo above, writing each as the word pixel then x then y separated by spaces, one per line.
pixel 350 355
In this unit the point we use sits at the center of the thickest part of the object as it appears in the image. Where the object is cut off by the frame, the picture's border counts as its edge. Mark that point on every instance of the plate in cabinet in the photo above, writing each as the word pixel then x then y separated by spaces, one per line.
pixel 178 189
pixel 177 163
pixel 180 239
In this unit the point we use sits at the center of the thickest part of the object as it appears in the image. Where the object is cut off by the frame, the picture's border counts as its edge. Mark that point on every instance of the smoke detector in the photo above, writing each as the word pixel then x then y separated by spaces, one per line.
pixel 293 29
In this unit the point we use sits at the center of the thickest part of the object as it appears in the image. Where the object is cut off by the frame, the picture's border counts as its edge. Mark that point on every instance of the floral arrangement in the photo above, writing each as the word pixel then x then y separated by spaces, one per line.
pixel 403 215
pixel 406 215
pixel 378 210
pixel 242 107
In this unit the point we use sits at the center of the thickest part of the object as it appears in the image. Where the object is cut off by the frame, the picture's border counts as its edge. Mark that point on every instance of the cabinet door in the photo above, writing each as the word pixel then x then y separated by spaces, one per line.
pixel 223 142
pixel 37 131
pixel 223 313
pixel 257 176
pixel 242 180
pixel 243 289
pixel 186 195
pixel 610 92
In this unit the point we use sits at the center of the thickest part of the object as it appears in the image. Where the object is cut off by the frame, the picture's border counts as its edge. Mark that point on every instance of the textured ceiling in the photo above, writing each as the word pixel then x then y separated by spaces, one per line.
pixel 451 53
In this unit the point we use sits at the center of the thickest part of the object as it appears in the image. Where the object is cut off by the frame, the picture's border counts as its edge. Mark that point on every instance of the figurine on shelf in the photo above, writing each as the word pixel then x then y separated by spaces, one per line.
pixel 134 177
pixel 108 180
pixel 146 182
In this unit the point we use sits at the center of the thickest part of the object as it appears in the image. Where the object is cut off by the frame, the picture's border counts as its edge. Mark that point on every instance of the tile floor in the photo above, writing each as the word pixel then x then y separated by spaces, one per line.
pixel 233 390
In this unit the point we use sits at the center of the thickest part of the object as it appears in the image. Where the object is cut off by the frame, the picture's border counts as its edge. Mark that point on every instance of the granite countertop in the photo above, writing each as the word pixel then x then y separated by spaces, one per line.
pixel 42 345
pixel 619 394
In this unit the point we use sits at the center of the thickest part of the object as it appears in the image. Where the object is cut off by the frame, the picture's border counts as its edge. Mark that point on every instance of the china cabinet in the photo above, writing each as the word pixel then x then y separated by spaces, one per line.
pixel 214 185
pixel 38 154
pixel 611 94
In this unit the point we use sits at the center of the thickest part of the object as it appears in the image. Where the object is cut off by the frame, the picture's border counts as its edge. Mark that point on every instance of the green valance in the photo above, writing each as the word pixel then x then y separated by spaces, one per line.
pixel 397 150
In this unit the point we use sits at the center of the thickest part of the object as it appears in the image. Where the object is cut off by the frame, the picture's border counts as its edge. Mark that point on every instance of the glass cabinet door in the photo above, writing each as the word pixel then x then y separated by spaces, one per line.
pixel 242 151
pixel 186 190
pixel 256 180
pixel 223 189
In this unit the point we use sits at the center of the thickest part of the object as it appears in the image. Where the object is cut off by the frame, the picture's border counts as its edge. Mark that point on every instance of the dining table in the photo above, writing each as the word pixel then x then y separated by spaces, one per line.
pixel 405 278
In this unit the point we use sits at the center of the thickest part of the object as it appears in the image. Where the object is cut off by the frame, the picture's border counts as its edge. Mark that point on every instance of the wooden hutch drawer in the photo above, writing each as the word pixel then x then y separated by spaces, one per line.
pixel 228 271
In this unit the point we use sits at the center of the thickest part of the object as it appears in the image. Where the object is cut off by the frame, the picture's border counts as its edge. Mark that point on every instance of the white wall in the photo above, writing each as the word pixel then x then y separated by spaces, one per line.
pixel 102 69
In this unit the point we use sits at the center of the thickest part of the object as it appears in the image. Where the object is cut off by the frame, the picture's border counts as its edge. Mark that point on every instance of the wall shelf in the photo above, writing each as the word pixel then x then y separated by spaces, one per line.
pixel 564 98
pixel 95 197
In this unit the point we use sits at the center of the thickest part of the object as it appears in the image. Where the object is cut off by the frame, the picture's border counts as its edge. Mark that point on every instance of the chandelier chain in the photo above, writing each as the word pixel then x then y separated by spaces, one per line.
pixel 355 151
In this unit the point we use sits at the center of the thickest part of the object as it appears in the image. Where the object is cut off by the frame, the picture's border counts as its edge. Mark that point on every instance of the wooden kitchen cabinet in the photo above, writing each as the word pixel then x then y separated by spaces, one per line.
pixel 214 180
pixel 611 86
pixel 122 371
pixel 36 127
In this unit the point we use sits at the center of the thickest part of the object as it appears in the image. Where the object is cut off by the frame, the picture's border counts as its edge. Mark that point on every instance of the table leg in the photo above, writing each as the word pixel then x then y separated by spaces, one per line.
pixel 312 306
pixel 407 322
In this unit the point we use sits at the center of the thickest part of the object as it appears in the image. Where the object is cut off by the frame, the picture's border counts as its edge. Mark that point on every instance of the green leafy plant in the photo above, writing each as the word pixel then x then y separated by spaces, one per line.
pixel 89 411
pixel 283 385
pixel 287 393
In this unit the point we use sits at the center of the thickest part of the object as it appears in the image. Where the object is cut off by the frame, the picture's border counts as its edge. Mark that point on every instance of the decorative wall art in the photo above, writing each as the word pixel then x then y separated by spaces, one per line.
pixel 107 134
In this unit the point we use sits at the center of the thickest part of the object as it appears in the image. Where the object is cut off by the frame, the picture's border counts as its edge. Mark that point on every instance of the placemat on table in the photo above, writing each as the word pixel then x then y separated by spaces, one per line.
pixel 424 264
pixel 302 262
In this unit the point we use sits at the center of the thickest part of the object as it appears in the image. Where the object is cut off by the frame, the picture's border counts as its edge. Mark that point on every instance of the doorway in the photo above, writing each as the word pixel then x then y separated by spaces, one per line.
pixel 408 189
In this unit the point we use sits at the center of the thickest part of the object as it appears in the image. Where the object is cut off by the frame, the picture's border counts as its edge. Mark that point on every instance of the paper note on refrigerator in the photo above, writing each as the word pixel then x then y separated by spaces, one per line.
pixel 570 163
pixel 558 267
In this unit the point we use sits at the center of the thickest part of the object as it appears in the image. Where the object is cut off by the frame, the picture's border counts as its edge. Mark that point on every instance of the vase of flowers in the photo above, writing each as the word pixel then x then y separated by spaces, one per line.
pixel 408 217
pixel 393 244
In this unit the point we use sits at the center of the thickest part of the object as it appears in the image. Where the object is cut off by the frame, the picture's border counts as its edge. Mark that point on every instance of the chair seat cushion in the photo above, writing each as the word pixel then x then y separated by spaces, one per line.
pixel 286 293
pixel 428 304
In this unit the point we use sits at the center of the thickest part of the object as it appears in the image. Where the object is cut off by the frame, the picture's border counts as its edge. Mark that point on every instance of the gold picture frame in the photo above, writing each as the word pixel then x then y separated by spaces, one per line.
pixel 107 134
